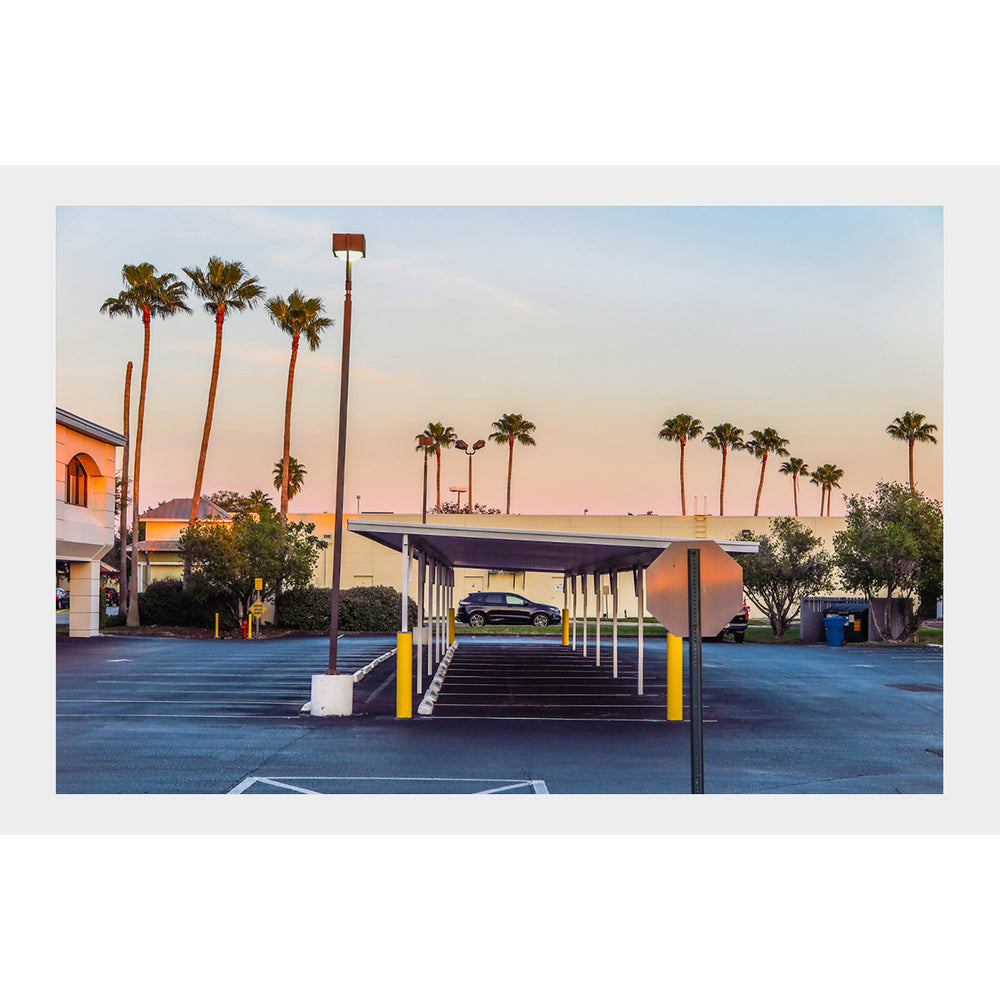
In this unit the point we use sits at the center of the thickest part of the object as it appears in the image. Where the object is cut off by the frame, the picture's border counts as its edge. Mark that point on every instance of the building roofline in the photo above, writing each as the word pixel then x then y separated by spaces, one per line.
pixel 89 428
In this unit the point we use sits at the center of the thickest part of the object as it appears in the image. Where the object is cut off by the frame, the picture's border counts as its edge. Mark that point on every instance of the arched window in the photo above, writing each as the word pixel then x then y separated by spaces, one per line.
pixel 76 483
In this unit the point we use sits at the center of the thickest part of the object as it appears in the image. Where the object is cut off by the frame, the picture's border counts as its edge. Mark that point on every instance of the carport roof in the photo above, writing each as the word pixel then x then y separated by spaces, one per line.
pixel 569 552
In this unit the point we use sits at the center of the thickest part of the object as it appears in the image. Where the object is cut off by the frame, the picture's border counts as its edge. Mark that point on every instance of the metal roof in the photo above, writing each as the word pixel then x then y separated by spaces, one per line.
pixel 179 509
pixel 89 428
pixel 569 552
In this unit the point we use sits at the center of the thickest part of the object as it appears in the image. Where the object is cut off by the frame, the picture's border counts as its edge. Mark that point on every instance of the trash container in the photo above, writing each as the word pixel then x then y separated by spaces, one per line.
pixel 834 625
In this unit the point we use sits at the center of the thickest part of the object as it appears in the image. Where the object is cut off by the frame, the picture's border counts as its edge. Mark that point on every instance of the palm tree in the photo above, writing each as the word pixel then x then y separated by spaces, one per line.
pixel 293 477
pixel 442 437
pixel 148 294
pixel 680 428
pixel 296 316
pixel 512 427
pixel 910 427
pixel 224 285
pixel 818 478
pixel 794 467
pixel 833 477
pixel 722 437
pixel 761 444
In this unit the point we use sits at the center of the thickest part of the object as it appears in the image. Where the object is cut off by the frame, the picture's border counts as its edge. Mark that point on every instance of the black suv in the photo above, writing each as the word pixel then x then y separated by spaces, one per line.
pixel 505 609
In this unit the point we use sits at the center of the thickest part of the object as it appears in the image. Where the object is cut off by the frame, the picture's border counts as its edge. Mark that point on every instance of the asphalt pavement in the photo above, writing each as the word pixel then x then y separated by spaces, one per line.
pixel 515 716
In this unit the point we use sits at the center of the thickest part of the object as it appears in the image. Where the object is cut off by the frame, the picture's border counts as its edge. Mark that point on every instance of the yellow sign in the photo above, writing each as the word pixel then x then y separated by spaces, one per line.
pixel 257 609
pixel 258 583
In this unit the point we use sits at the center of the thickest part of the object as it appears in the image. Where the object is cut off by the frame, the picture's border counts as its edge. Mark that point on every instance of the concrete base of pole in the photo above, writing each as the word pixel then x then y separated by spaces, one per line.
pixel 332 694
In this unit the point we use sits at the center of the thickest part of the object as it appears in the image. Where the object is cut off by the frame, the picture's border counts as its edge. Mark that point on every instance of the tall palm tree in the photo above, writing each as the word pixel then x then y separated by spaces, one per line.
pixel 681 428
pixel 511 428
pixel 818 478
pixel 224 285
pixel 761 444
pixel 293 477
pixel 296 316
pixel 794 467
pixel 723 437
pixel 910 427
pixel 149 294
pixel 442 437
pixel 833 477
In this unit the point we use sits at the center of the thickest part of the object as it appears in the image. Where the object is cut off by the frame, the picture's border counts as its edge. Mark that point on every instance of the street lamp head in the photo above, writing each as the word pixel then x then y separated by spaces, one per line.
pixel 461 444
pixel 478 445
pixel 345 242
pixel 424 440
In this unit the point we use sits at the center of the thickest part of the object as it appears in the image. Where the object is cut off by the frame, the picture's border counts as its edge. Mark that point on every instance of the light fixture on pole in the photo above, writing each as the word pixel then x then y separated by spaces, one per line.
pixel 358 498
pixel 470 451
pixel 459 490
pixel 424 441
pixel 345 243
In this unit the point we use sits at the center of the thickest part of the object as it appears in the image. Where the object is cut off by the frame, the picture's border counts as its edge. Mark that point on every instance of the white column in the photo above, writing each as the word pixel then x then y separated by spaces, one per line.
pixel 583 582
pixel 574 612
pixel 405 626
pixel 641 598
pixel 421 575
pixel 614 623
pixel 84 598
pixel 429 634
pixel 597 620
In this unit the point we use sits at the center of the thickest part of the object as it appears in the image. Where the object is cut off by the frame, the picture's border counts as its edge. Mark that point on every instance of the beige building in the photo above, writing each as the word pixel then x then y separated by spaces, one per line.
pixel 159 551
pixel 85 511
pixel 366 563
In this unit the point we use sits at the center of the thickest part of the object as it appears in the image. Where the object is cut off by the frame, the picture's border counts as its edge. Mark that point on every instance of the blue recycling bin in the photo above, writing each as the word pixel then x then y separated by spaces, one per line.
pixel 834 625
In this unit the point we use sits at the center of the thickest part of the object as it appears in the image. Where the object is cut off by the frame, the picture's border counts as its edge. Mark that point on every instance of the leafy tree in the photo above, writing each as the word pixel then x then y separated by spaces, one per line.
pixel 761 444
pixel 441 437
pixel 239 503
pixel 892 546
pixel 790 564
pixel 512 428
pixel 724 437
pixel 297 316
pixel 147 294
pixel 794 467
pixel 258 543
pixel 680 429
pixel 910 427
pixel 452 507
pixel 225 286
pixel 294 477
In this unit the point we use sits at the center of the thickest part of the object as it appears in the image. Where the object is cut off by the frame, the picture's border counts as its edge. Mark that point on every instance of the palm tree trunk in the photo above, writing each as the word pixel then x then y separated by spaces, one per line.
pixel 123 512
pixel 288 429
pixel 722 488
pixel 822 498
pixel 829 497
pixel 220 316
pixel 133 590
pixel 510 471
pixel 795 493
pixel 683 507
pixel 438 453
pixel 760 487
pixel 912 489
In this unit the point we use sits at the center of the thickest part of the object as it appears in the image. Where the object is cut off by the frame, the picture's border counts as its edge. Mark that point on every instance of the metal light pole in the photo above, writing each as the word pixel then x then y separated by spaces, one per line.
pixel 459 490
pixel 470 452
pixel 424 441
pixel 344 242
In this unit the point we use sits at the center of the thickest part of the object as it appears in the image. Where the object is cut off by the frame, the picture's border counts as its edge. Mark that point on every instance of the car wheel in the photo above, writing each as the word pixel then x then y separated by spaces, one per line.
pixel 739 636
pixel 477 619
pixel 540 619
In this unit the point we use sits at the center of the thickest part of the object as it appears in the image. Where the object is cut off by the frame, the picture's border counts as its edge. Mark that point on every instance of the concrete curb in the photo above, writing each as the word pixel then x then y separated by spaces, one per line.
pixel 426 706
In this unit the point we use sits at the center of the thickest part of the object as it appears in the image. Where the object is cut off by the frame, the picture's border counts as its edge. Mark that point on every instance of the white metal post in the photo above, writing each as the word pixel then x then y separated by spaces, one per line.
pixel 574 612
pixel 421 574
pixel 583 582
pixel 597 619
pixel 406 582
pixel 641 598
pixel 614 624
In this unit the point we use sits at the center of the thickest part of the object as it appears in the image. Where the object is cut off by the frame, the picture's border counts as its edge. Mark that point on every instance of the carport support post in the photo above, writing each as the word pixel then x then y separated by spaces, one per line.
pixel 421 573
pixel 565 614
pixel 597 619
pixel 406 583
pixel 404 675
pixel 614 623
pixel 583 587
pixel 429 628
pixel 640 597
pixel 573 580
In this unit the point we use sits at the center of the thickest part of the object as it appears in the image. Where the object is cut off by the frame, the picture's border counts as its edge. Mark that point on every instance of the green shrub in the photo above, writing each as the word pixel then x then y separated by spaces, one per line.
pixel 164 602
pixel 362 609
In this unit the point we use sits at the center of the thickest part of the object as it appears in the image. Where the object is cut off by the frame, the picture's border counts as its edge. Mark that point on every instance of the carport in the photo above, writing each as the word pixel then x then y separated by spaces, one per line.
pixel 583 560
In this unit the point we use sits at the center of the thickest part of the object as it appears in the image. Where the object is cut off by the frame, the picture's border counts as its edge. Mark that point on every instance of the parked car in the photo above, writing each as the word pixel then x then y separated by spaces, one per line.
pixel 737 627
pixel 498 608
pixel 62 598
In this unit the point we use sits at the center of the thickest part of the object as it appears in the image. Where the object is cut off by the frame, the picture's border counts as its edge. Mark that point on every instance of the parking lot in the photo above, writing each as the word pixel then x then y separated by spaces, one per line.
pixel 515 716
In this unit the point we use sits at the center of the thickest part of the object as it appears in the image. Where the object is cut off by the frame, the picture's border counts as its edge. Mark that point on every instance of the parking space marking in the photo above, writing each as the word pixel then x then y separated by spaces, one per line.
pixel 535 785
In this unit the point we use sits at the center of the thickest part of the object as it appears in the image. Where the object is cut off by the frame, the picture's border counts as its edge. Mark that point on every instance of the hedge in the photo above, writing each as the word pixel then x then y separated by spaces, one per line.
pixel 164 602
pixel 362 609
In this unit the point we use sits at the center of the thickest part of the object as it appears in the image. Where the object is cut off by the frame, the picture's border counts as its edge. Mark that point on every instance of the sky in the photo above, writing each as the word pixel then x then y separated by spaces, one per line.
pixel 595 323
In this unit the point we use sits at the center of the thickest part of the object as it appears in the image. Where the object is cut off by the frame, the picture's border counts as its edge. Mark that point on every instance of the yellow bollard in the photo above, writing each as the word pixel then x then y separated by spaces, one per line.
pixel 675 678
pixel 451 626
pixel 404 678
pixel 565 641
pixel 216 624
pixel 249 625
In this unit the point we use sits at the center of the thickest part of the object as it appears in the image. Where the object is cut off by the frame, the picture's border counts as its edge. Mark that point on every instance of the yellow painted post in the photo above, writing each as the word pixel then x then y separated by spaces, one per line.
pixel 404 679
pixel 675 678
pixel 451 626
pixel 216 624
pixel 565 641
pixel 249 625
